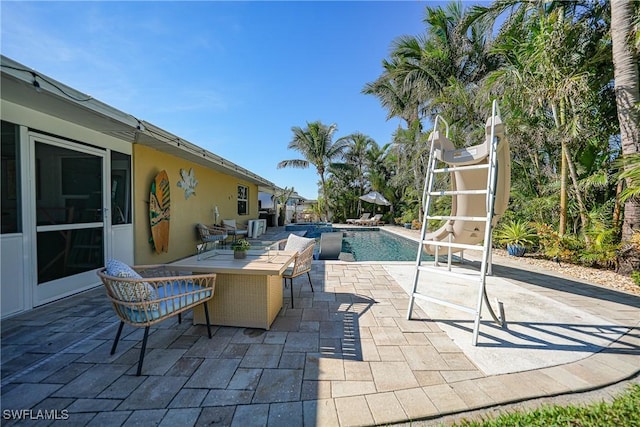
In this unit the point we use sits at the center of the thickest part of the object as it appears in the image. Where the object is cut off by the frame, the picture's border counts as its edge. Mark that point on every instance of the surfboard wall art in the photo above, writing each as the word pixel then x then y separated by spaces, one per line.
pixel 160 212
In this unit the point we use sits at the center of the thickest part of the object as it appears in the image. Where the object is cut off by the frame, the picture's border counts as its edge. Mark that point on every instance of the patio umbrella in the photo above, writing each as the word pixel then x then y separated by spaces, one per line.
pixel 375 197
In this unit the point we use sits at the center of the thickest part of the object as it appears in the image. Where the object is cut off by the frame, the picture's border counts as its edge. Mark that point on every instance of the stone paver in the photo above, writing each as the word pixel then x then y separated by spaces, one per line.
pixel 285 414
pixel 385 408
pixel 154 393
pixel 346 355
pixel 279 385
pixel 415 403
pixel 251 415
pixel 353 411
pixel 390 376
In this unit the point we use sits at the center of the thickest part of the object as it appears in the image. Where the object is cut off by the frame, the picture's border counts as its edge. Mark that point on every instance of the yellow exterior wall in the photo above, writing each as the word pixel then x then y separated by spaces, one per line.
pixel 213 189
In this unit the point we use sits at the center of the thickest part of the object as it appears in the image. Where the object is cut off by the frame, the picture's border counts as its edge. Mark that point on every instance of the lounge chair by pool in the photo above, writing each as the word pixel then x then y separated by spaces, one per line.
pixel 376 220
pixel 362 218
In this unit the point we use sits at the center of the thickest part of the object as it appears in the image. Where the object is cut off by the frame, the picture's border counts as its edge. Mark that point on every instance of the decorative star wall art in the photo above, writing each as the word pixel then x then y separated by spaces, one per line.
pixel 188 182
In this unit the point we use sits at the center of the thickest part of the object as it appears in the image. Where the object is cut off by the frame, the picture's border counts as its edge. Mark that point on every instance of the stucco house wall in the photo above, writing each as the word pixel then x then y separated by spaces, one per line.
pixel 214 189
pixel 52 121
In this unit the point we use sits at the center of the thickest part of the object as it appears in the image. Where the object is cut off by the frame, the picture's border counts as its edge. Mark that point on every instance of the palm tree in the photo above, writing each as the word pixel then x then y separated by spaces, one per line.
pixel 625 66
pixel 413 156
pixel 421 67
pixel 356 155
pixel 398 98
pixel 316 145
pixel 423 71
pixel 551 53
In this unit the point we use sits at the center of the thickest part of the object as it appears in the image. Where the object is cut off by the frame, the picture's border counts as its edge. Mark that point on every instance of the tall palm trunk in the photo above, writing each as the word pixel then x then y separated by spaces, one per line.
pixel 562 228
pixel 625 71
pixel 584 219
pixel 323 183
pixel 568 168
pixel 617 211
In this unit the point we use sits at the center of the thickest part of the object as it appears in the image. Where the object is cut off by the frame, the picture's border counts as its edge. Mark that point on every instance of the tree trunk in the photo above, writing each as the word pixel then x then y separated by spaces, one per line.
pixel 617 211
pixel 324 195
pixel 584 221
pixel 562 227
pixel 625 72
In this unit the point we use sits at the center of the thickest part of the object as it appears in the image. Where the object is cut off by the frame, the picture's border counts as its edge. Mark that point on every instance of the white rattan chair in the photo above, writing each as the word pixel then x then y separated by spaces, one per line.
pixel 300 266
pixel 145 295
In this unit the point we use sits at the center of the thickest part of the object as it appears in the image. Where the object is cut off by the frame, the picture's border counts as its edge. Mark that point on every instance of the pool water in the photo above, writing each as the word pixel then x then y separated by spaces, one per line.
pixel 380 246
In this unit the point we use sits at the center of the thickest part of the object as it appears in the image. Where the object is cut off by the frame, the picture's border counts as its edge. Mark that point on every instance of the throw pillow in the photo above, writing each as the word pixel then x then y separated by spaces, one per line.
pixel 130 291
pixel 297 243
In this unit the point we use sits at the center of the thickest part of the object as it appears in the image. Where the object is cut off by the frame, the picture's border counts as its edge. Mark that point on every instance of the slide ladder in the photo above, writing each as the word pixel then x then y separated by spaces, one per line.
pixel 479 192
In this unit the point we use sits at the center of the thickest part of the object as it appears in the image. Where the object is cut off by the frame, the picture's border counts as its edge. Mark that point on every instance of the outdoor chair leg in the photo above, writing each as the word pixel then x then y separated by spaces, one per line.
pixel 206 315
pixel 291 286
pixel 142 350
pixel 115 342
pixel 310 284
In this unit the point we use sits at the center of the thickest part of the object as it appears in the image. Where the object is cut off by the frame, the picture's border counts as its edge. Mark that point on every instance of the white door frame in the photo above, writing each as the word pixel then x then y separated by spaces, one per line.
pixel 55 289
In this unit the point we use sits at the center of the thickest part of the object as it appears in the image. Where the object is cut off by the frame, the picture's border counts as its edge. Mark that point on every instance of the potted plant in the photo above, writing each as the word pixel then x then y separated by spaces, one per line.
pixel 517 235
pixel 240 248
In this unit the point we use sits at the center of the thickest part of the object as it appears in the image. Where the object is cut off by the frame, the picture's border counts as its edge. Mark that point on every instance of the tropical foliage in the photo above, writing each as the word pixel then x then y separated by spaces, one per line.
pixel 566 76
pixel 516 233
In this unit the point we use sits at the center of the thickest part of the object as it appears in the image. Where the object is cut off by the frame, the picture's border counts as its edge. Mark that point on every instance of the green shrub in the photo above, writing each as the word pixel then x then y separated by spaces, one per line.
pixel 567 248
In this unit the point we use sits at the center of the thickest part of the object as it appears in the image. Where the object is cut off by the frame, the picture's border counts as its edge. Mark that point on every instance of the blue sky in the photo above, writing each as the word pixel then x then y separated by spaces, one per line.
pixel 232 77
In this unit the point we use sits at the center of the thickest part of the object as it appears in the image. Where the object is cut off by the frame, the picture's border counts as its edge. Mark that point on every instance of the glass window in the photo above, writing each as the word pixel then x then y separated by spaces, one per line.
pixel 243 200
pixel 120 188
pixel 10 204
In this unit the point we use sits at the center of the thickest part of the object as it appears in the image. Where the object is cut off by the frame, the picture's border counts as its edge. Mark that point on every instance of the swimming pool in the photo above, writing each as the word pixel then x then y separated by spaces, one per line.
pixel 380 246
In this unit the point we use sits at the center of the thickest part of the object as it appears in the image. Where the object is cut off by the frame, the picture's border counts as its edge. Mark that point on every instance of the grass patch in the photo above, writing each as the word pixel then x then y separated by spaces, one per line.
pixel 623 411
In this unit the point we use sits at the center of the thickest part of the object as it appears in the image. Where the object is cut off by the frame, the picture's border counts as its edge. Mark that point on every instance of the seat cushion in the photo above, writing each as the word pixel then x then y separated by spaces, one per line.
pixel 288 272
pixel 214 237
pixel 297 243
pixel 169 306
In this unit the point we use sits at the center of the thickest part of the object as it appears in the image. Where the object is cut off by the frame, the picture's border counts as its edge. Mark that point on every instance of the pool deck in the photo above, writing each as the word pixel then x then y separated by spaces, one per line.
pixel 345 356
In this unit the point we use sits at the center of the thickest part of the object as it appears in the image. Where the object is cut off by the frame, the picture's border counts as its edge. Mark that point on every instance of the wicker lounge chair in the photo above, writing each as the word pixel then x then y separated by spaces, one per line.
pixel 145 295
